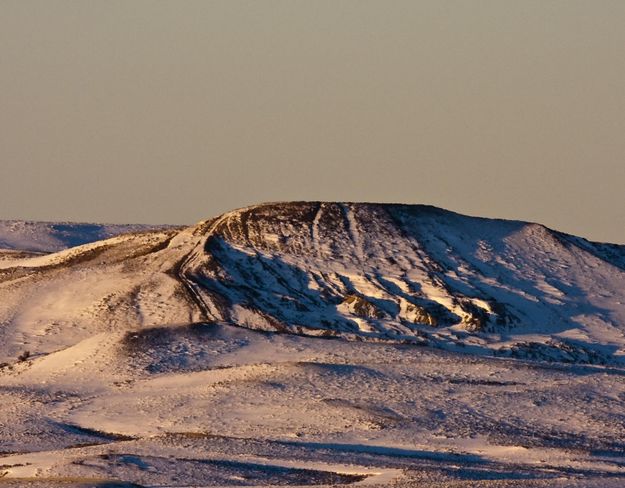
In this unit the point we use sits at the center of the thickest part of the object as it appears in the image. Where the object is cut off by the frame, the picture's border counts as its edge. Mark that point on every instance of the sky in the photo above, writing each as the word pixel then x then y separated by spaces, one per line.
pixel 176 111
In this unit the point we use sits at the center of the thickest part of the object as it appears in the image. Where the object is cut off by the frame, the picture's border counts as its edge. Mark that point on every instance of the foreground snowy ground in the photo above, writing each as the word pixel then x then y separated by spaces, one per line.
pixel 216 405
pixel 313 344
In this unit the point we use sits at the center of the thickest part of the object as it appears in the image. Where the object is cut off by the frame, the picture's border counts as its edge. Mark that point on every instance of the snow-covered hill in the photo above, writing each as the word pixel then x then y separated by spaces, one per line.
pixel 401 273
pixel 412 273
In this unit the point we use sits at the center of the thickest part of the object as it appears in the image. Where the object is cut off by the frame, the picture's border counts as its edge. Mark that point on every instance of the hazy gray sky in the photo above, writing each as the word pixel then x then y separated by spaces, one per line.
pixel 155 111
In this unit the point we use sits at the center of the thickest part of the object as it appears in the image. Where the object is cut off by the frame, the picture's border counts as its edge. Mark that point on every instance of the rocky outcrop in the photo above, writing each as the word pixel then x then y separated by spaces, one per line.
pixel 360 307
pixel 419 315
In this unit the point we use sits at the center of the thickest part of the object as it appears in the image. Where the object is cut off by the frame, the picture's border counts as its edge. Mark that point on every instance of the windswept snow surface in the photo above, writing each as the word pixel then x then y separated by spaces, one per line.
pixel 316 344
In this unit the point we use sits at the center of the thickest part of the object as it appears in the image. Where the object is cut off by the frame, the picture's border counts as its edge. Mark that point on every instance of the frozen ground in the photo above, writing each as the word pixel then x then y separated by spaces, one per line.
pixel 448 352
pixel 213 405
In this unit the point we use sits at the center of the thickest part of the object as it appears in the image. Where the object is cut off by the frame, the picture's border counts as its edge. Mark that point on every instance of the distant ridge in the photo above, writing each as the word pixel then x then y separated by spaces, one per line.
pixel 35 236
